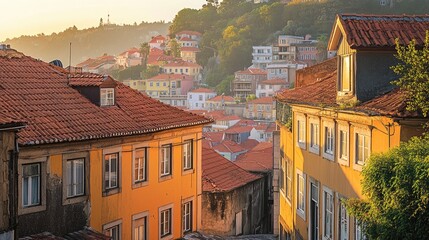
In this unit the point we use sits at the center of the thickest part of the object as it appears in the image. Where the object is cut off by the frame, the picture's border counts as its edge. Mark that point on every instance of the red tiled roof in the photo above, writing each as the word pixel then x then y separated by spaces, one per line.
pixel 239 129
pixel 259 159
pixel 321 91
pixel 181 64
pixel 221 175
pixel 156 51
pixel 213 136
pixel 252 71
pixel 94 63
pixel 87 233
pixel 375 31
pixel 262 100
pixel 189 49
pixel 156 38
pixel 249 144
pixel 229 146
pixel 220 98
pixel 310 74
pixel 186 39
pixel 189 33
pixel 202 90
pixel 130 51
pixel 391 104
pixel 88 79
pixel 34 92
pixel 274 81
pixel 165 76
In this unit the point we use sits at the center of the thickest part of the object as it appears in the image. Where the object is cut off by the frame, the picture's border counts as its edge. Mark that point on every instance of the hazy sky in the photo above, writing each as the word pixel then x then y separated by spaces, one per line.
pixel 29 17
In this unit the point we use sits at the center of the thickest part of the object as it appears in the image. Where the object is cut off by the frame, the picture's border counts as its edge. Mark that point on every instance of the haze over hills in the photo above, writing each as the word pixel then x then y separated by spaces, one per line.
pixel 92 42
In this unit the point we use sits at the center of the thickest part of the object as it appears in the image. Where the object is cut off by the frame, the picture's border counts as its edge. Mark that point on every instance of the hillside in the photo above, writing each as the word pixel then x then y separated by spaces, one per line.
pixel 111 39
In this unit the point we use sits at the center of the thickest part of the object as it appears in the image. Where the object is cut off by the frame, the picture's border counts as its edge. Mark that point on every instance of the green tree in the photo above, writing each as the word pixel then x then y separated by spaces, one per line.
pixel 396 184
pixel 174 48
pixel 250 97
pixel 151 71
pixel 413 70
pixel 225 85
pixel 144 50
pixel 185 19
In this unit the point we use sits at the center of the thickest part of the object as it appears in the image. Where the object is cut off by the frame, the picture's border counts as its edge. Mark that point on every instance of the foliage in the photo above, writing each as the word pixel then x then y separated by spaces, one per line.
pixel 396 184
pixel 150 71
pixel 174 48
pixel 130 73
pixel 144 50
pixel 250 97
pixel 413 70
pixel 225 85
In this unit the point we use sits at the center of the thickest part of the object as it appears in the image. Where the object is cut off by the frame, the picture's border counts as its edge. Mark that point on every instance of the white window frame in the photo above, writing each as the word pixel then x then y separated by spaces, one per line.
pixel 326 191
pixel 188 154
pixel 138 178
pixel 109 173
pixel 165 157
pixel 108 190
pixel 314 143
pixel 342 219
pixel 328 147
pixel 366 134
pixel 41 206
pixel 144 216
pixel 107 96
pixel 166 231
pixel 359 234
pixel 301 124
pixel 282 177
pixel 343 127
pixel 69 157
pixel 288 181
pixel 30 180
pixel 300 193
pixel 187 216
pixel 108 228
pixel 73 177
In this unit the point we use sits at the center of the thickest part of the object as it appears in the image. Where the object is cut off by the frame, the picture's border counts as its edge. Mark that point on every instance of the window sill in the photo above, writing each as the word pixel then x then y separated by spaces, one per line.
pixel 188 171
pixel 31 209
pixel 344 162
pixel 314 150
pixel 74 200
pixel 328 156
pixel 301 145
pixel 300 213
pixel 112 191
pixel 357 167
pixel 165 178
pixel 167 237
pixel 140 184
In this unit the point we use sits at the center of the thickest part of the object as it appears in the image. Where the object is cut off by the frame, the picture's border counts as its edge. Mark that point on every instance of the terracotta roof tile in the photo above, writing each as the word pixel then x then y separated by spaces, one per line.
pixel 34 92
pixel 228 118
pixel 156 38
pixel 252 71
pixel 239 129
pixel 262 100
pixel 310 74
pixel 375 31
pixel 221 175
pixel 258 159
pixel 229 146
pixel 274 81
pixel 202 90
pixel 220 98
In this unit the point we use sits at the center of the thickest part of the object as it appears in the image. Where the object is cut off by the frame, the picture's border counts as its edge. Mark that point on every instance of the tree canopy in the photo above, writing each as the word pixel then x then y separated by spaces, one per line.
pixel 396 184
pixel 413 70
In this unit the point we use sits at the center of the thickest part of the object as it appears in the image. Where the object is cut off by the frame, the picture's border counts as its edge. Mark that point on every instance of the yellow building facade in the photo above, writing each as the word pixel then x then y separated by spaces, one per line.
pixel 330 126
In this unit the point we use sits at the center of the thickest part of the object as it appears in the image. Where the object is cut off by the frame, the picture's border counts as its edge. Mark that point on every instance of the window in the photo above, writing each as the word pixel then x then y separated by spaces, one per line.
pixel 328 213
pixel 140 228
pixel 346 73
pixel 359 233
pixel 165 222
pixel 314 136
pixel 31 185
pixel 200 97
pixel 113 230
pixel 301 132
pixel 289 179
pixel 328 140
pixel 343 144
pixel 151 84
pixel 166 160
pixel 282 174
pixel 361 147
pixel 187 154
pixel 300 194
pixel 140 165
pixel 157 84
pixel 75 171
pixel 107 96
pixel 343 219
pixel 187 216
pixel 190 96
pixel 111 171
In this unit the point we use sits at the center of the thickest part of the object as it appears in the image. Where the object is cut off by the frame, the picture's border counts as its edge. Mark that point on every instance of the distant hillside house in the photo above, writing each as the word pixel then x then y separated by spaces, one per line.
pixel 245 82
pixel 131 57
pixel 189 34
pixel 261 109
pixel 268 88
pixel 197 98
pixel 189 54
pixel 219 102
pixel 158 42
pixel 100 65
pixel 261 56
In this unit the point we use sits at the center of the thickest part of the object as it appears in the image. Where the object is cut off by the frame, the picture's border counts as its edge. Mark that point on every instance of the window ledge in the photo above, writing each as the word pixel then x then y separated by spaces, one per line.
pixel 112 191
pixel 140 184
pixel 167 237
pixel 314 150
pixel 328 156
pixel 74 200
pixel 357 167
pixel 165 178
pixel 188 171
pixel 300 213
pixel 344 162
pixel 31 209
